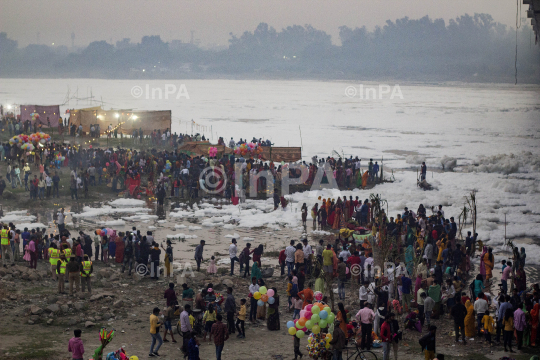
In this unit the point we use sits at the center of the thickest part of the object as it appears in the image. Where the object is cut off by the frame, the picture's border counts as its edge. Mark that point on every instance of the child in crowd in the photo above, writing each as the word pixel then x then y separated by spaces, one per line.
pixel 488 324
pixel 289 289
pixel 297 302
pixel 212 269
pixel 240 319
pixel 209 319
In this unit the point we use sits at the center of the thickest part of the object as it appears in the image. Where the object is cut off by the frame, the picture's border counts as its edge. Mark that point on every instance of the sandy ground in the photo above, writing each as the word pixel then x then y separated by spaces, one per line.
pixel 139 296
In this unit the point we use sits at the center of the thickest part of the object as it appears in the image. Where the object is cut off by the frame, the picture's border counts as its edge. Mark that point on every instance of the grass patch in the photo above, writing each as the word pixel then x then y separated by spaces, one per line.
pixel 37 290
pixel 37 348
pixel 271 254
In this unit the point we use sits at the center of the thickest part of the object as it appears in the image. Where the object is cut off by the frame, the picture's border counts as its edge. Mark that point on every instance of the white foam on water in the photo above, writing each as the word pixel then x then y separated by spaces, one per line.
pixel 126 202
pixel 30 226
pixel 113 223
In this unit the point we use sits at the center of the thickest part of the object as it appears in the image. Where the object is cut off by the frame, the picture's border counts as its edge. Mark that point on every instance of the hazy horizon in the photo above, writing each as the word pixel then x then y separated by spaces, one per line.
pixel 174 19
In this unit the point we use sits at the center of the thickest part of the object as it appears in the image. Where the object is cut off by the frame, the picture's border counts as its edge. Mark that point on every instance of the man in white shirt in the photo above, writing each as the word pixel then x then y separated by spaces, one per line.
pixel 60 221
pixel 363 294
pixel 289 260
pixel 307 259
pixel 232 255
pixel 253 288
pixel 344 254
pixel 48 182
pixel 480 307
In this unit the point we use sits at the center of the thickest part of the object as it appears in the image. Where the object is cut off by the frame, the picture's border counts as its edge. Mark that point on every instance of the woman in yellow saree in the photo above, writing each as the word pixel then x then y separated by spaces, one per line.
pixel 470 326
pixel 489 262
pixel 365 179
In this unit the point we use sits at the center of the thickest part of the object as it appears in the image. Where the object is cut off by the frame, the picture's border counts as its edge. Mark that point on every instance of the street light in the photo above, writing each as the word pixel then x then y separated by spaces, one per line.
pixel 117 115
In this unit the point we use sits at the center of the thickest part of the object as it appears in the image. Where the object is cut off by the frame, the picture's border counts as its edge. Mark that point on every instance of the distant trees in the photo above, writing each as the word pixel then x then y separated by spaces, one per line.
pixel 468 48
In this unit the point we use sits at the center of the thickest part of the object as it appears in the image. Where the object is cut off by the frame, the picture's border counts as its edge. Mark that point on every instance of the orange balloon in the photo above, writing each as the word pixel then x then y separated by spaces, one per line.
pixel 264 298
pixel 317 305
pixel 302 321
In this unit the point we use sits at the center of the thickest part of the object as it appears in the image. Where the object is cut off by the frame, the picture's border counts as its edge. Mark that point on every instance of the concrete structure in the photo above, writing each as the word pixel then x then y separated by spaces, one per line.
pixel 534 14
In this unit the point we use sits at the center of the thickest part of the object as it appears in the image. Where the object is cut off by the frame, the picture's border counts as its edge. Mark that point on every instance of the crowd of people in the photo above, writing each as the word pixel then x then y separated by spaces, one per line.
pixel 433 274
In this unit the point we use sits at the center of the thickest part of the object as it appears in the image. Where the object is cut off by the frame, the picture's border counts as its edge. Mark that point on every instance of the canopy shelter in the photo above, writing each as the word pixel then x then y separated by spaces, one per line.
pixel 126 120
pixel 276 154
pixel 50 112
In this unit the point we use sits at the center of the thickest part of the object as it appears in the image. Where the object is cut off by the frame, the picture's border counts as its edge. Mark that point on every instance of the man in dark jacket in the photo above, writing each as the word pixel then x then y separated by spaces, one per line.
pixel 458 312
pixel 427 343
pixel 339 340
pixel 230 309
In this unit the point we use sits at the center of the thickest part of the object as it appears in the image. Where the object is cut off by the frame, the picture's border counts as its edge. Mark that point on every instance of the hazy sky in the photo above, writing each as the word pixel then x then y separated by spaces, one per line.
pixel 213 20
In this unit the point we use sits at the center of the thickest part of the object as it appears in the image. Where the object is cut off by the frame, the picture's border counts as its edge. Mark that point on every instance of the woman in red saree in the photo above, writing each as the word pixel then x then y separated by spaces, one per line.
pixel 331 218
pixel 119 253
pixel 535 313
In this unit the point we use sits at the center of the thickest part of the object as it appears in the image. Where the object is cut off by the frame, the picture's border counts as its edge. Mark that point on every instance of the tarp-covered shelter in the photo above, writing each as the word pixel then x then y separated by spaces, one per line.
pixel 45 111
pixel 270 153
pixel 126 120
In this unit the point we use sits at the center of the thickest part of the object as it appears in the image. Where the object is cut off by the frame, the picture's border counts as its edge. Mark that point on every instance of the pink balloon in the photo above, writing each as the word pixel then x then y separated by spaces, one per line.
pixel 295 320
pixel 304 329
pixel 308 314
pixel 270 293
pixel 302 313
pixel 308 307
pixel 346 270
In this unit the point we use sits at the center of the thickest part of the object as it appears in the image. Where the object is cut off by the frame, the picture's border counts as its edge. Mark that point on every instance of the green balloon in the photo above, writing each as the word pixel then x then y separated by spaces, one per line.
pixel 327 309
pixel 316 329
pixel 323 323
pixel 298 326
pixel 315 310
pixel 315 318
pixel 300 334
pixel 330 319
pixel 309 324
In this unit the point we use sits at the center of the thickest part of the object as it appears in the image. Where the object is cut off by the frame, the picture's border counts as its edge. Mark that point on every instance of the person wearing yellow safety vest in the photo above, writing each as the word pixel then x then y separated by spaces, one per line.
pixel 61 271
pixel 74 269
pixel 5 236
pixel 67 251
pixel 86 273
pixel 54 256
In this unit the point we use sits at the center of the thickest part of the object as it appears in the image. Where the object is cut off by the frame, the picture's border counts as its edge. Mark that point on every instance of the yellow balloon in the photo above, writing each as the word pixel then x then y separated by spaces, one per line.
pixel 292 331
pixel 257 295
pixel 327 346
pixel 316 329
pixel 134 357
pixel 328 337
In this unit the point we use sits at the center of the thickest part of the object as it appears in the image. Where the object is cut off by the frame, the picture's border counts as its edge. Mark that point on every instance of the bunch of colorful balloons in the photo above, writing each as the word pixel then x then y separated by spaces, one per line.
pixel 250 149
pixel 314 317
pixel 168 166
pixel 40 137
pixel 27 147
pixel 264 295
pixel 212 151
pixel 317 343
pixel 35 116
pixel 19 140
pixel 59 157
pixel 103 232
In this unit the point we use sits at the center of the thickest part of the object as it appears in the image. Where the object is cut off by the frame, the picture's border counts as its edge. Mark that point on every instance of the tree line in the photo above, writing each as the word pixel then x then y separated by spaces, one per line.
pixel 467 48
